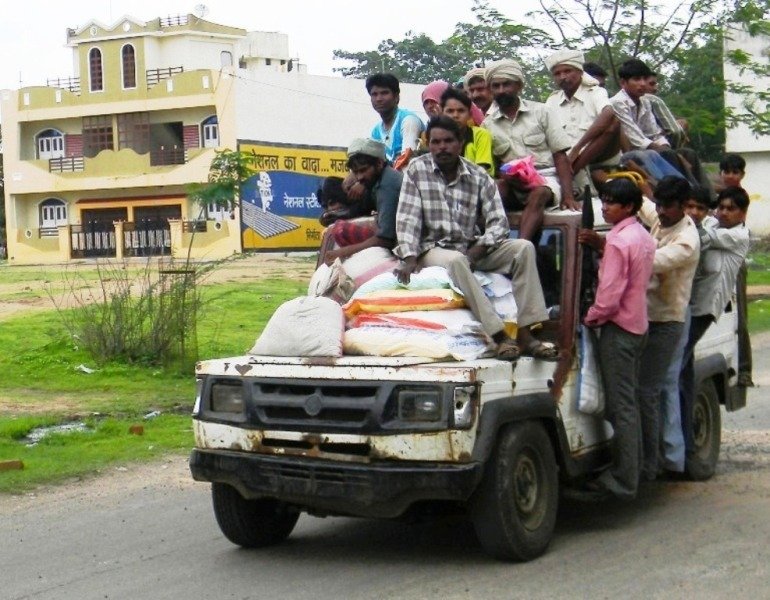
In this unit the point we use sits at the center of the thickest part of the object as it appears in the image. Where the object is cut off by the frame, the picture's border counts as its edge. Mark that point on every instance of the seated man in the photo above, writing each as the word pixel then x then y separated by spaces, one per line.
pixel 647 145
pixel 336 204
pixel 477 141
pixel 442 197
pixel 475 85
pixel 399 129
pixel 366 161
pixel 585 112
pixel 597 72
pixel 522 128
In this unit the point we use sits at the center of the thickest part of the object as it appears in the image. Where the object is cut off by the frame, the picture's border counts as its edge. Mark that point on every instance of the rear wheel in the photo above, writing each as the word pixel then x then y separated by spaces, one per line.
pixel 514 509
pixel 707 433
pixel 251 523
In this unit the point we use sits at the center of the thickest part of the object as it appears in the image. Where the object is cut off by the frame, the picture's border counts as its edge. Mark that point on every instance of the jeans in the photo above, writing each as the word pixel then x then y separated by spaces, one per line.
pixel 652 162
pixel 673 445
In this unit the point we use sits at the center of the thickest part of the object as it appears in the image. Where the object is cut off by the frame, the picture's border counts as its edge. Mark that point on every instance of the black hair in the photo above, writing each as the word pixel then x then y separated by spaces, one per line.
pixel 385 80
pixel 702 196
pixel 594 69
pixel 443 122
pixel 622 191
pixel 672 190
pixel 454 94
pixel 331 192
pixel 362 160
pixel 738 195
pixel 634 67
pixel 732 162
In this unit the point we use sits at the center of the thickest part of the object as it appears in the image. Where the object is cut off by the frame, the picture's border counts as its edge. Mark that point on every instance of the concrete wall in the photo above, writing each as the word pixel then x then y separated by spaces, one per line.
pixel 754 148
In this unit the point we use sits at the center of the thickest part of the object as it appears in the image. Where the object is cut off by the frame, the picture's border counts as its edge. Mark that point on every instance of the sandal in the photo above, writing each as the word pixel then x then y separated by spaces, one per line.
pixel 508 350
pixel 542 350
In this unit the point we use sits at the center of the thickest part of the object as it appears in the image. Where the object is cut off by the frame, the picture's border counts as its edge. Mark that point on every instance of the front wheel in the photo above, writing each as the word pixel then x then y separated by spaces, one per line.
pixel 514 509
pixel 702 461
pixel 251 523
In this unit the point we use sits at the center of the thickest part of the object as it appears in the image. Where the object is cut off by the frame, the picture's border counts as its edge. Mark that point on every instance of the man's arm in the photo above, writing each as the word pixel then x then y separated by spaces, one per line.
pixel 602 123
pixel 348 251
pixel 613 280
pixel 496 228
pixel 735 239
pixel 408 217
pixel 564 173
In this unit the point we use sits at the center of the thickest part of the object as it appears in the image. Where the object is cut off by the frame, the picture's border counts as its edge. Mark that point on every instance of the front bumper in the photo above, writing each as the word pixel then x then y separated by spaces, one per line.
pixel 384 489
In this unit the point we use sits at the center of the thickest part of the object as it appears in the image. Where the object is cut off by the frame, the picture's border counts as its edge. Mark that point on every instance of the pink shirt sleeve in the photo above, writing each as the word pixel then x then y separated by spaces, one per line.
pixel 613 279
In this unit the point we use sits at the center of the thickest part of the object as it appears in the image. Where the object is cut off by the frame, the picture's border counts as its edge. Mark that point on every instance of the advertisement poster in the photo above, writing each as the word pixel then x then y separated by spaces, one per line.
pixel 279 204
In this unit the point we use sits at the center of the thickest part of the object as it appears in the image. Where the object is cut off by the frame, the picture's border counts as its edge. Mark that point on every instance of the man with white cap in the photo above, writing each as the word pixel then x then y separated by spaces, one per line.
pixel 522 128
pixel 475 85
pixel 366 161
pixel 585 112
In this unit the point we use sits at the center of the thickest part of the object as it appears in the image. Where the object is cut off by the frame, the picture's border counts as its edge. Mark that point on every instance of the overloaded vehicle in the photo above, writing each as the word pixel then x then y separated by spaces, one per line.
pixel 395 436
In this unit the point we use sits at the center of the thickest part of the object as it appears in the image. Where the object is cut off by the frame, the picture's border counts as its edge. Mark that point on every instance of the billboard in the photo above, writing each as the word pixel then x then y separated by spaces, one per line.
pixel 279 204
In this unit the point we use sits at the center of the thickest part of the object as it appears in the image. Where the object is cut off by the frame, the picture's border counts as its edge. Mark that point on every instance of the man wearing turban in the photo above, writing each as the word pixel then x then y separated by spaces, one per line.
pixel 521 128
pixel 585 112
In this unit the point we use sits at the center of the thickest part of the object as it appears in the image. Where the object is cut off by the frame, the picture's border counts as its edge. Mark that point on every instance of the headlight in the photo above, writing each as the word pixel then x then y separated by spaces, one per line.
pixel 463 406
pixel 227 397
pixel 419 405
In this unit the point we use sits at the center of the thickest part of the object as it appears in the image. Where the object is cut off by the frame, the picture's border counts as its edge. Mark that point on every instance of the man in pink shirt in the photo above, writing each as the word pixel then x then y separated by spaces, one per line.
pixel 620 314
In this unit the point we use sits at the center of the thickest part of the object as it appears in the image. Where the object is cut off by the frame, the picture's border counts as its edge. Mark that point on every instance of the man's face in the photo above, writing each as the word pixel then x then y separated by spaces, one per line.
pixel 728 214
pixel 636 87
pixel 652 85
pixel 383 99
pixel 567 78
pixel 505 91
pixel 480 94
pixel 365 173
pixel 456 110
pixel 732 178
pixel 695 210
pixel 669 214
pixel 444 147
pixel 613 213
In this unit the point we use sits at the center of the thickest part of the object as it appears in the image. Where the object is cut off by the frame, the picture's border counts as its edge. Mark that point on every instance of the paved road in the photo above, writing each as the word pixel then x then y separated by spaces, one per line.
pixel 149 533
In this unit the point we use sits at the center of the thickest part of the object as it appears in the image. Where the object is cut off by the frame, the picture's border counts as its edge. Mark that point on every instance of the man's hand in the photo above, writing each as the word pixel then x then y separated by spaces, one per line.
pixel 405 269
pixel 331 255
pixel 568 200
pixel 475 253
pixel 592 239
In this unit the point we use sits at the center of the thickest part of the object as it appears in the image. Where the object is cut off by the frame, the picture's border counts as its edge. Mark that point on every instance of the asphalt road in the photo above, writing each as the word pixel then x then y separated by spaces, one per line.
pixel 149 533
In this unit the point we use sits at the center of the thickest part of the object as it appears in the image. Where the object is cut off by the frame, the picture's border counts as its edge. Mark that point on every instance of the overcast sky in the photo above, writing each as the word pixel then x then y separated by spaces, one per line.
pixel 32 32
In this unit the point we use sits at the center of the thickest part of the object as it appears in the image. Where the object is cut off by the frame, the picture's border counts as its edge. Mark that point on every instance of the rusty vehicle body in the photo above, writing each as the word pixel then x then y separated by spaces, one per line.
pixel 277 436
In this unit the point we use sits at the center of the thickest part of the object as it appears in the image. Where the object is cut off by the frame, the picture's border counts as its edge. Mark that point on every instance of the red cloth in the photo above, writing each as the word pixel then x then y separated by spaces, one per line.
pixel 347 233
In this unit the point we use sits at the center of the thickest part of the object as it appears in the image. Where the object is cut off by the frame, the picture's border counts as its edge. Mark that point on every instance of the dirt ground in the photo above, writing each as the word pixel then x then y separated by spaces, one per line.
pixel 54 291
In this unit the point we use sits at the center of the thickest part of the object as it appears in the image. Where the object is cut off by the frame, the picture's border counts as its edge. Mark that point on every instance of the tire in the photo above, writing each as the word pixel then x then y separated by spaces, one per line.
pixel 251 523
pixel 514 509
pixel 701 463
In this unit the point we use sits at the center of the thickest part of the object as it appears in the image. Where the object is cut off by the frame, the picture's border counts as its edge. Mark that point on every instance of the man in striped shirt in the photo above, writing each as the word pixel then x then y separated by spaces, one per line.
pixel 442 197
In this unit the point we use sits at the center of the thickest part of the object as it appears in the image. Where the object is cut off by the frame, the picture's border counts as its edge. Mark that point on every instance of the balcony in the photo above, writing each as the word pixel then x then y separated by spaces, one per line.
pixel 65 83
pixel 155 76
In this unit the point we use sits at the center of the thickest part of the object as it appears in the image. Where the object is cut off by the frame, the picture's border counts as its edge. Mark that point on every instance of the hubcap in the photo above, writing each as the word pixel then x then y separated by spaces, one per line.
pixel 526 491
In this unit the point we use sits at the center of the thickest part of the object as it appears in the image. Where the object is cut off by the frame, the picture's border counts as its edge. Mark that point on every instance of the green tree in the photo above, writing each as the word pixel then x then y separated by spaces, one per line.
pixel 228 170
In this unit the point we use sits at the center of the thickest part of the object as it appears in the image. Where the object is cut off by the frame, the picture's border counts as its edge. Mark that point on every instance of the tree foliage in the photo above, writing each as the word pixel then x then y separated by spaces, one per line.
pixel 682 42
pixel 228 170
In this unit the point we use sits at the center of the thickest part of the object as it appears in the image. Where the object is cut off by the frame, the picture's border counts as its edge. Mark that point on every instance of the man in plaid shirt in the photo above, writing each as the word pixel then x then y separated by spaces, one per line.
pixel 442 197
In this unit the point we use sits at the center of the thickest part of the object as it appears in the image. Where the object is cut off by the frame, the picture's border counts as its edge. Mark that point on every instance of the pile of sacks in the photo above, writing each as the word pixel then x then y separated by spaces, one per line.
pixel 360 308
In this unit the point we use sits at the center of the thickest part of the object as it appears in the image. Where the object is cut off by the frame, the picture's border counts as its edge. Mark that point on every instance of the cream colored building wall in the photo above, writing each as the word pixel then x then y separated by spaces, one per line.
pixel 754 148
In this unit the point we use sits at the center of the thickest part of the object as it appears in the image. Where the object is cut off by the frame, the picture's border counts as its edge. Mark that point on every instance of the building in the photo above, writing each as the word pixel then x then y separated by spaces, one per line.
pixel 741 139
pixel 98 164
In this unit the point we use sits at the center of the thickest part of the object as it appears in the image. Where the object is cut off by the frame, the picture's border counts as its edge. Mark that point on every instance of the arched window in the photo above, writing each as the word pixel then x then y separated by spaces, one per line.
pixel 53 212
pixel 210 132
pixel 95 71
pixel 226 58
pixel 50 144
pixel 128 61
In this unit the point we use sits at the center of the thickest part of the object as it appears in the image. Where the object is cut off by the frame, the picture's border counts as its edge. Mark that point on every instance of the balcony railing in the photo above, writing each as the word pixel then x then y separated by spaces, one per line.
pixel 194 226
pixel 66 164
pixel 172 20
pixel 65 83
pixel 155 76
pixel 167 156
pixel 48 232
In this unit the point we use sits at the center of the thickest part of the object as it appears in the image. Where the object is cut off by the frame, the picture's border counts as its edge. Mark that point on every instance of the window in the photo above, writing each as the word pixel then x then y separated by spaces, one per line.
pixel 134 132
pixel 53 212
pixel 226 58
pixel 96 74
pixel 210 132
pixel 50 144
pixel 129 66
pixel 97 135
